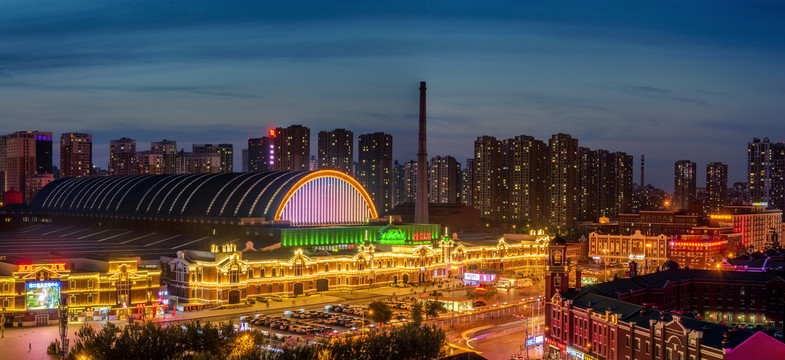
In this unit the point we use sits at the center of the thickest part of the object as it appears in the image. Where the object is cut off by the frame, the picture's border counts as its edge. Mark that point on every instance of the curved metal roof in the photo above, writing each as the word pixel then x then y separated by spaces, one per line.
pixel 256 195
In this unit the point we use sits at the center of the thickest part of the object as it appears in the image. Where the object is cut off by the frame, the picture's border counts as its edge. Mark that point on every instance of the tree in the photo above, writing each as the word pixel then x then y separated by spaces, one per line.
pixel 490 294
pixel 472 294
pixel 379 312
pixel 433 308
pixel 416 313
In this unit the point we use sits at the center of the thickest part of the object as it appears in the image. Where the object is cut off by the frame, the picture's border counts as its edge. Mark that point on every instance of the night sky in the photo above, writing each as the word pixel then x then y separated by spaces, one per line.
pixel 672 80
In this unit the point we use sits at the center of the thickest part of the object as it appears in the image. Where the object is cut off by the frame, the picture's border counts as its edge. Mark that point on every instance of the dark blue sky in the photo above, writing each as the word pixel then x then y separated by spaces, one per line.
pixel 668 79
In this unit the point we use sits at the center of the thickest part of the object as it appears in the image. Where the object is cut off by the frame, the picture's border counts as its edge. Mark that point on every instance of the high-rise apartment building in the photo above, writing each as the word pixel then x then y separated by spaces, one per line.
pixel 167 149
pixel 766 173
pixel 292 148
pixel 405 182
pixel 563 187
pixel 122 157
pixel 150 162
pixel 27 154
pixel 261 153
pixel 716 187
pixel 76 154
pixel 375 169
pixel 487 192
pixel 245 159
pixel 467 185
pixel 526 186
pixel 623 182
pixel 444 180
pixel 336 150
pixel 684 181
pixel 225 156
pixel 589 186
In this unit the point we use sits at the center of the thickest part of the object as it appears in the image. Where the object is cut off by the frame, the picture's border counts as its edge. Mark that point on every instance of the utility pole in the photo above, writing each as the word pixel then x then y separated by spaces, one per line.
pixel 63 308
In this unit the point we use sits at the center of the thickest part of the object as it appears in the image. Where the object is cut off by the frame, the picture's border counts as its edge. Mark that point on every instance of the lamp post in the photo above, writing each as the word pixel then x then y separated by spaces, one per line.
pixel 605 263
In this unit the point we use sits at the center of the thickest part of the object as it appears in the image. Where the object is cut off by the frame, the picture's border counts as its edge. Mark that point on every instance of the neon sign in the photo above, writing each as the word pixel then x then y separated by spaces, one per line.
pixel 31 267
pixel 417 237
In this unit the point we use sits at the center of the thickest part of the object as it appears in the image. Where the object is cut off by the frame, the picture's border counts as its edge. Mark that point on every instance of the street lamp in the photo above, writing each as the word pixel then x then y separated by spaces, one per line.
pixel 605 263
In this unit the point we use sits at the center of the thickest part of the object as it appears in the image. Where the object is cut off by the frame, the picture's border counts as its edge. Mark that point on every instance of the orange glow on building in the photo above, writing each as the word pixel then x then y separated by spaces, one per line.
pixel 272 132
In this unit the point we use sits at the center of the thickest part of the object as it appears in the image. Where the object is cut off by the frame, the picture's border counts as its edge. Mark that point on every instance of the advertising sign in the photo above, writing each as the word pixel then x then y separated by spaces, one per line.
pixel 43 295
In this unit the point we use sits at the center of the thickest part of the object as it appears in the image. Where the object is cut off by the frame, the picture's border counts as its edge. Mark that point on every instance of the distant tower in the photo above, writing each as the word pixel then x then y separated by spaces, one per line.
pixel 556 268
pixel 643 172
pixel 421 205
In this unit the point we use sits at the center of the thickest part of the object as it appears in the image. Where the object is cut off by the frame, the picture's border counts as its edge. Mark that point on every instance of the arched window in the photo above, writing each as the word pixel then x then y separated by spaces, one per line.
pixel 234 274
pixel 326 267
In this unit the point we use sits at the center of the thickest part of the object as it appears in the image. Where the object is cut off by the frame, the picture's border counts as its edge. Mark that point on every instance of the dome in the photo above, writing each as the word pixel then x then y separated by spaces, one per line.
pixel 669 265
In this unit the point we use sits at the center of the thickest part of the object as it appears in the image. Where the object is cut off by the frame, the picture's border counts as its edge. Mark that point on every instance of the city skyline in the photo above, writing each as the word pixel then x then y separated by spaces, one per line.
pixel 622 77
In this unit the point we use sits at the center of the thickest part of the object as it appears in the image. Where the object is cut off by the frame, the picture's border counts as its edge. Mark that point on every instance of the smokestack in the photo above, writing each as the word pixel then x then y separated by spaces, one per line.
pixel 643 178
pixel 421 202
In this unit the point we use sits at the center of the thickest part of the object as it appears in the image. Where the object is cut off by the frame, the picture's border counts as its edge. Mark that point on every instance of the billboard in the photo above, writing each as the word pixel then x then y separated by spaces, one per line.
pixel 43 295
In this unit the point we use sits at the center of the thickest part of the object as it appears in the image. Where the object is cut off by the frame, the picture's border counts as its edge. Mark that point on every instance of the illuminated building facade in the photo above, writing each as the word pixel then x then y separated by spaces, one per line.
pixel 227 276
pixel 375 170
pixel 31 292
pixel 684 185
pixel 527 180
pixel 716 187
pixel 122 157
pixel 444 180
pixel 752 222
pixel 405 182
pixel 336 150
pixel 292 148
pixel 297 198
pixel 76 154
pixel 651 251
pixel 704 248
pixel 655 222
pixel 150 163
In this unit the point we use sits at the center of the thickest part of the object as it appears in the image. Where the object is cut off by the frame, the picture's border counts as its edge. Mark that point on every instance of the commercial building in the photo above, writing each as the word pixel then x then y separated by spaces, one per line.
pixel 444 180
pixel 684 185
pixel 292 148
pixel 752 222
pixel 716 187
pixel 336 150
pixel 704 247
pixel 31 291
pixel 76 154
pixel 655 222
pixel 650 251
pixel 228 276
pixel 261 153
pixel 122 157
pixel 375 168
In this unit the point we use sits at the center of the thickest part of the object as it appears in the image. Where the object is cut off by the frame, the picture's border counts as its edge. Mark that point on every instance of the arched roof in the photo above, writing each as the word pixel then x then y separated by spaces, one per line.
pixel 304 195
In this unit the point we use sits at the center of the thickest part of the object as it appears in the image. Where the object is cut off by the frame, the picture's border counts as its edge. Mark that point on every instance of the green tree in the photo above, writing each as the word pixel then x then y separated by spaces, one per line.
pixel 417 313
pixel 472 294
pixel 433 308
pixel 379 312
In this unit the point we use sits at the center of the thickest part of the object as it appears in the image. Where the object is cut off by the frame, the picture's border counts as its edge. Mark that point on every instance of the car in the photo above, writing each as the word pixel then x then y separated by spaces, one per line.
pixel 779 335
pixel 479 303
pixel 276 298
pixel 245 319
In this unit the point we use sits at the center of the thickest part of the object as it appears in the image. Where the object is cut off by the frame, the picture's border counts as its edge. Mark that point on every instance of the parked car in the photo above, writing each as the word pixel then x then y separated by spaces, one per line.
pixel 276 298
pixel 479 303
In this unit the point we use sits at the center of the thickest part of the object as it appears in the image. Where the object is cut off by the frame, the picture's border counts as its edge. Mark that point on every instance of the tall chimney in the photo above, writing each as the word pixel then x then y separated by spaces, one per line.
pixel 421 203
pixel 643 178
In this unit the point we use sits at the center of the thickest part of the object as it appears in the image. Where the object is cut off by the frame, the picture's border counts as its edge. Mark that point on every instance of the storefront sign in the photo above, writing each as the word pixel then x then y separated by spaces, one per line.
pixel 31 267
pixel 416 237
pixel 534 340
pixel 479 277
